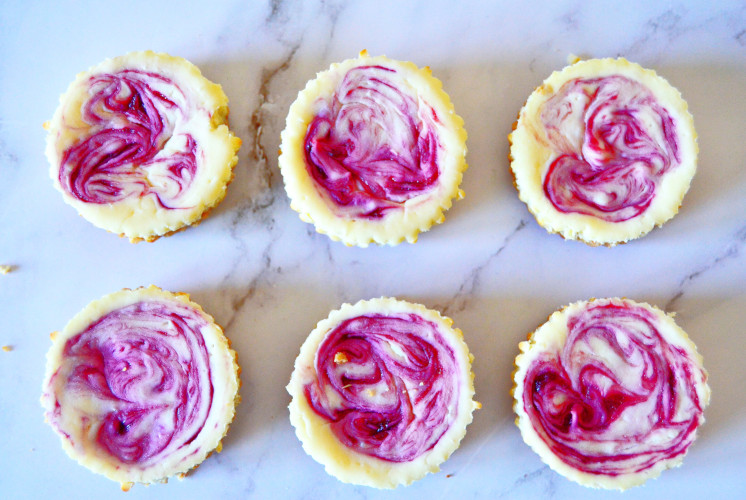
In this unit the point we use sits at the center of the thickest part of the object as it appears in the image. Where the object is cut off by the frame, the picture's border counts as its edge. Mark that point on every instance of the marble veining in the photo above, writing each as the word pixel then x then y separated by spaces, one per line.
pixel 469 287
pixel 268 278
pixel 732 251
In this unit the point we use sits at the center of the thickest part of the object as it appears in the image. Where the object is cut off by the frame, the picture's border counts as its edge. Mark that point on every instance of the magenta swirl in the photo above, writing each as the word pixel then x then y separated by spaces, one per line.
pixel 386 385
pixel 617 384
pixel 122 153
pixel 629 142
pixel 372 147
pixel 148 363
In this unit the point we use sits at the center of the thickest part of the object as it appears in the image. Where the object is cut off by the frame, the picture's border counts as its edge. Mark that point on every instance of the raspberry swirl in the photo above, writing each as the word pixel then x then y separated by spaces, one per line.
pixel 140 145
pixel 131 118
pixel 147 368
pixel 388 385
pixel 140 385
pixel 373 144
pixel 628 143
pixel 619 396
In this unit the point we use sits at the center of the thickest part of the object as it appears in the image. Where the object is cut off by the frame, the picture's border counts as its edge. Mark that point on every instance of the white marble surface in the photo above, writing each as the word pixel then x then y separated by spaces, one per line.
pixel 268 278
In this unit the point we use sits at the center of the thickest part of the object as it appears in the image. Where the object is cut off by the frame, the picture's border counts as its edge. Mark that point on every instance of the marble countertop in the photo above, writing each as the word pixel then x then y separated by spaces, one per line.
pixel 267 277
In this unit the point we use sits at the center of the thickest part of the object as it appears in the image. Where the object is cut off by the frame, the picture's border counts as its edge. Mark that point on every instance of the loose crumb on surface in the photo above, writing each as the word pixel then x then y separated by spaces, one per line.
pixel 5 268
pixel 7 348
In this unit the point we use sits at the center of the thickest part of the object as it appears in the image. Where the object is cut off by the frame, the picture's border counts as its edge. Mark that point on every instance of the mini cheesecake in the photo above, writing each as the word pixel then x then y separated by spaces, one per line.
pixel 140 145
pixel 141 385
pixel 373 151
pixel 603 151
pixel 610 392
pixel 382 392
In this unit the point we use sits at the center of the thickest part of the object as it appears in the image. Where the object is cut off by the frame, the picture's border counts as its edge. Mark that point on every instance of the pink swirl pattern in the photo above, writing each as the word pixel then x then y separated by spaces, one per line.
pixel 629 142
pixel 147 365
pixel 618 398
pixel 386 385
pixel 121 155
pixel 372 147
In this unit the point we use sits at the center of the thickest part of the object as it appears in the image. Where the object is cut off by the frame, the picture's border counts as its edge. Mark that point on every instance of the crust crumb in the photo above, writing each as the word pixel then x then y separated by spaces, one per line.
pixel 7 348
pixel 5 269
pixel 340 358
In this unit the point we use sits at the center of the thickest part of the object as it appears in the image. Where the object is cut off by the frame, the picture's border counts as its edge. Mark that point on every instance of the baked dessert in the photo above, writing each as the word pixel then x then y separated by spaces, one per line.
pixel 382 392
pixel 603 151
pixel 141 385
pixel 373 151
pixel 610 392
pixel 140 145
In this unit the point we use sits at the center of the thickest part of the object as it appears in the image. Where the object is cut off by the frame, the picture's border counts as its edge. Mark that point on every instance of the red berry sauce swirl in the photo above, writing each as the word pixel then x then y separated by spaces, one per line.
pixel 385 384
pixel 148 365
pixel 372 147
pixel 628 143
pixel 618 398
pixel 122 154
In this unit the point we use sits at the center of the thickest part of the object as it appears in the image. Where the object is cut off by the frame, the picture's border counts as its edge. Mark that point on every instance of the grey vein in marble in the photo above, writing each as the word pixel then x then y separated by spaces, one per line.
pixel 731 251
pixel 460 299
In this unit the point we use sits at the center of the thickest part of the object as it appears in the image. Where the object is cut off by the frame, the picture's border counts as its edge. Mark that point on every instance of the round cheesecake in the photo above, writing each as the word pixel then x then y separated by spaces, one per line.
pixel 610 392
pixel 373 151
pixel 140 145
pixel 382 392
pixel 141 385
pixel 603 151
